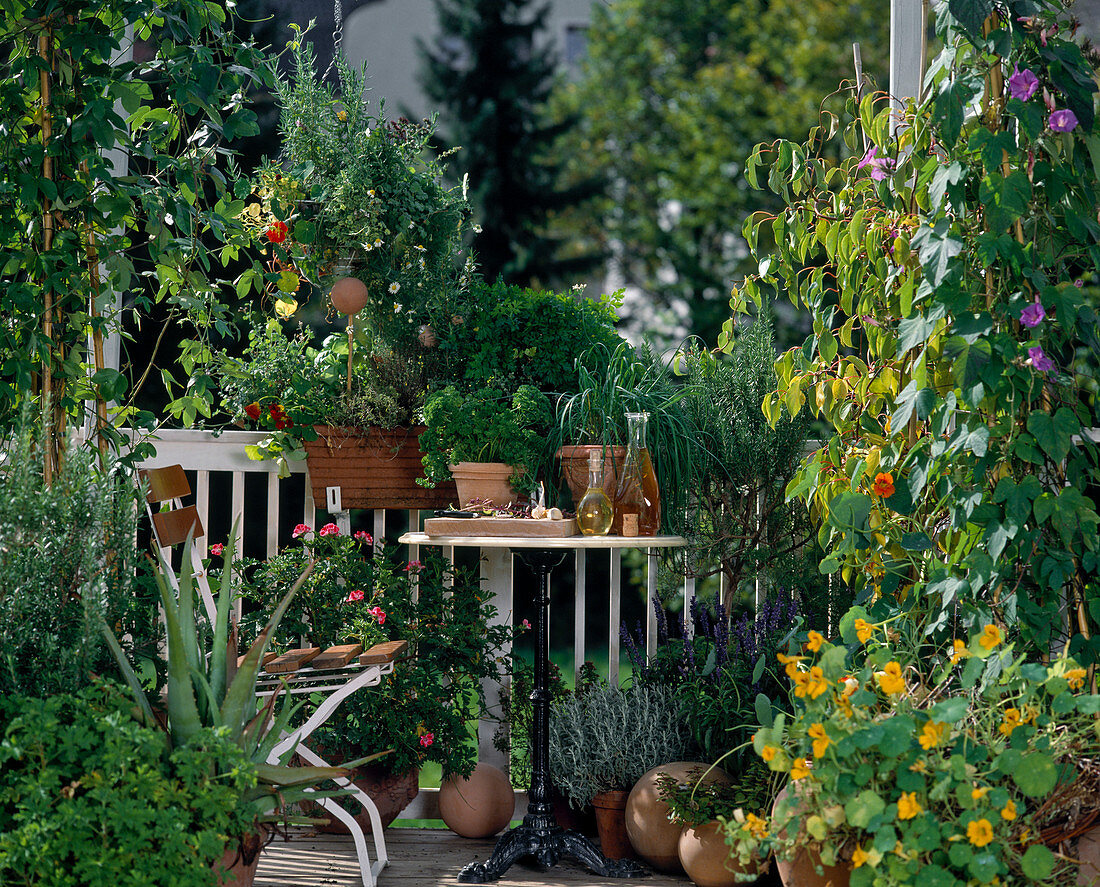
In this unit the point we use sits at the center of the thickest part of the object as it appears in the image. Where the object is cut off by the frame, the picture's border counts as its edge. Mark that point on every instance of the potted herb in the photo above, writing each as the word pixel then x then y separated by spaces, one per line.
pixel 612 381
pixel 601 743
pixel 490 442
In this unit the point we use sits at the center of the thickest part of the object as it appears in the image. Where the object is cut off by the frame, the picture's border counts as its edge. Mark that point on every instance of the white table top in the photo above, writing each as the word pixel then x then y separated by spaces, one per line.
pixel 546 542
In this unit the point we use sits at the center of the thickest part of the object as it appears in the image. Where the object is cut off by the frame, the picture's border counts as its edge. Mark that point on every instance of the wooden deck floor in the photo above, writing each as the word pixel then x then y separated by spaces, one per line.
pixel 418 858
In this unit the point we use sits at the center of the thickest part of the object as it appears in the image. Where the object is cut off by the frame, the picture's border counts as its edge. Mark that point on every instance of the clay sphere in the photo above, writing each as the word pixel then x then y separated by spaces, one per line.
pixel 349 295
pixel 477 807
pixel 652 835
pixel 706 857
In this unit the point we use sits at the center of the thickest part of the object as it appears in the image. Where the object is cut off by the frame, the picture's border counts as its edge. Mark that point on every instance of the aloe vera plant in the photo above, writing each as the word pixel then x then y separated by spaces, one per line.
pixel 207 689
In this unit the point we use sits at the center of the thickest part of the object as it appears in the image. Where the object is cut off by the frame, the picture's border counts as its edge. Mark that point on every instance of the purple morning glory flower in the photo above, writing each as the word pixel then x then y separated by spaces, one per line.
pixel 1033 314
pixel 880 166
pixel 1037 359
pixel 1062 120
pixel 1022 84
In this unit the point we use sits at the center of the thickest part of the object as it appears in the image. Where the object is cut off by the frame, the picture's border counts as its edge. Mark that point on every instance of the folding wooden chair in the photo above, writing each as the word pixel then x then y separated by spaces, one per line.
pixel 171 527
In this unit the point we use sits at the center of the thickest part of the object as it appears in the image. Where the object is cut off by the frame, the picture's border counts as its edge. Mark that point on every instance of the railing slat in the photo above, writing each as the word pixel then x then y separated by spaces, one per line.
pixel 272 542
pixel 651 564
pixel 615 597
pixel 202 505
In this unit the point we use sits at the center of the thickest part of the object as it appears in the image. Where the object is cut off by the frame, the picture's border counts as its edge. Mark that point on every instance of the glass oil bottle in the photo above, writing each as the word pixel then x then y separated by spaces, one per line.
pixel 637 500
pixel 595 511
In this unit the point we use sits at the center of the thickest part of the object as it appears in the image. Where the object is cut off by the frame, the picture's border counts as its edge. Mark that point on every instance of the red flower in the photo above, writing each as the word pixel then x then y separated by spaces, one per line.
pixel 413 566
pixel 300 530
pixel 329 530
pixel 379 614
pixel 363 536
pixel 216 549
pixel 355 595
pixel 427 739
pixel 252 411
pixel 277 232
pixel 884 484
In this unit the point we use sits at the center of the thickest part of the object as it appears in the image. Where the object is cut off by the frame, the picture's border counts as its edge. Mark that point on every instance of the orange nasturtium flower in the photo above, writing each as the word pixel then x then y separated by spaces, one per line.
pixel 1009 810
pixel 814 640
pixel 976 794
pixel 908 805
pixel 864 630
pixel 980 832
pixel 799 770
pixel 821 739
pixel 1012 720
pixel 931 734
pixel 991 636
pixel 859 856
pixel 890 679
pixel 959 652
pixel 812 684
pixel 1076 678
pixel 884 484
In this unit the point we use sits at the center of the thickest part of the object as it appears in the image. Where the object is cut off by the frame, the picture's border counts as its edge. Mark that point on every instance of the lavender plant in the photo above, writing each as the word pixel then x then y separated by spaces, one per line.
pixel 720 669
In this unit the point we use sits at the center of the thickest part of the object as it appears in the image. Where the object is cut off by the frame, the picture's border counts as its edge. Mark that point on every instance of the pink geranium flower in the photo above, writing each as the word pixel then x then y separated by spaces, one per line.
pixel 329 530
pixel 413 566
pixel 363 536
pixel 427 739
pixel 378 613
pixel 216 549
pixel 356 594
pixel 300 530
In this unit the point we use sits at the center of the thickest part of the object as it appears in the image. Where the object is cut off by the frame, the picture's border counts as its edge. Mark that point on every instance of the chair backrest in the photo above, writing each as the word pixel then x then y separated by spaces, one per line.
pixel 171 527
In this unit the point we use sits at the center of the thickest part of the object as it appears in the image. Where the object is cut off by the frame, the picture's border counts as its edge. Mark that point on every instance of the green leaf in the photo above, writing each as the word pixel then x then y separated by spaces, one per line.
pixel 1036 775
pixel 848 624
pixel 916 542
pixel 863 808
pixel 1054 433
pixel 936 876
pixel 763 708
pixel 937 248
pixel 949 711
pixel 1037 863
pixel 912 399
pixel 983 866
pixel 970 14
pixel 850 511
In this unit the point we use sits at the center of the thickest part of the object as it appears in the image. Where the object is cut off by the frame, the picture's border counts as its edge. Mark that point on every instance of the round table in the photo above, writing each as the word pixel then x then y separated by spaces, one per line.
pixel 539 835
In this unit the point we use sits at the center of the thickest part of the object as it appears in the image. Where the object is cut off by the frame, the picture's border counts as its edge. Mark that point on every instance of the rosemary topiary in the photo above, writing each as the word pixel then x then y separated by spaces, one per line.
pixel 606 739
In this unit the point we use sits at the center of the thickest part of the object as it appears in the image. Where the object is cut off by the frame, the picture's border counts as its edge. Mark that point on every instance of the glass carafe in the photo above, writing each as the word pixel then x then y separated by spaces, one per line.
pixel 595 510
pixel 637 500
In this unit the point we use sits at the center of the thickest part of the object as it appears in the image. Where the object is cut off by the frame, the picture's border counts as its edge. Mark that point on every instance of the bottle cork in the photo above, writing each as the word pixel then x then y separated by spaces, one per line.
pixel 630 524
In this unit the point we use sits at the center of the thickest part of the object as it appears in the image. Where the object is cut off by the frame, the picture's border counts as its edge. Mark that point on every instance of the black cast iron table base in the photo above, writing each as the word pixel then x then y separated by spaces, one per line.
pixel 539 836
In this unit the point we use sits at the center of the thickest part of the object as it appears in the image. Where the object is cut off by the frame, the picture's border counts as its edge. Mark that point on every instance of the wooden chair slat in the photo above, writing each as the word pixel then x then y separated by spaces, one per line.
pixel 173 526
pixel 292 660
pixel 267 657
pixel 165 483
pixel 338 656
pixel 382 653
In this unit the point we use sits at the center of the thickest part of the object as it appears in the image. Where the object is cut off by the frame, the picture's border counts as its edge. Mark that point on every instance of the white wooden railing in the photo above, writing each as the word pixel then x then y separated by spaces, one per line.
pixel 207 454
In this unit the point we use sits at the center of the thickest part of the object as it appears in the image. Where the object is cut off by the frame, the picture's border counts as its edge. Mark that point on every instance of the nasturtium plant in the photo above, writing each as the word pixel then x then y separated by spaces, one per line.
pixel 949 265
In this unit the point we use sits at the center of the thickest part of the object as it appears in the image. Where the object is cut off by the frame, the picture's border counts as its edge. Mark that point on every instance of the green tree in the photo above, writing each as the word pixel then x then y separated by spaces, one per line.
pixel 673 96
pixel 492 75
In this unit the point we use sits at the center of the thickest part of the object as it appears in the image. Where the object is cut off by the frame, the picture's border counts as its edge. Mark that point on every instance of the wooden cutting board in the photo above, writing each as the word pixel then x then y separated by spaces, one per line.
pixel 499 526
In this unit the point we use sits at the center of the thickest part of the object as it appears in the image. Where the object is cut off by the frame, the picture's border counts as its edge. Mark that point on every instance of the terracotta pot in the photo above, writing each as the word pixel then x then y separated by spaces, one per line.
pixel 391 793
pixel 1088 853
pixel 374 468
pixel 801 869
pixel 237 867
pixel 571 819
pixel 611 824
pixel 487 481
pixel 480 806
pixel 652 835
pixel 706 858
pixel 574 468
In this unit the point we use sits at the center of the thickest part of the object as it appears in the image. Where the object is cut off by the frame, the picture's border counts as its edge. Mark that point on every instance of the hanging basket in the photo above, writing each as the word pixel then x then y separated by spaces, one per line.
pixel 374 468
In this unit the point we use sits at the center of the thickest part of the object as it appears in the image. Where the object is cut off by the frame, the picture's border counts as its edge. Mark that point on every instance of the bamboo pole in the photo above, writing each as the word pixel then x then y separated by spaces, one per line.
pixel 92 255
pixel 50 429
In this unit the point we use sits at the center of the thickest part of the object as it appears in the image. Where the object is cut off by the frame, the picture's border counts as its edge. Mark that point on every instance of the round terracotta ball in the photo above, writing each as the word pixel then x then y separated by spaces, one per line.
pixel 477 807
pixel 652 835
pixel 349 295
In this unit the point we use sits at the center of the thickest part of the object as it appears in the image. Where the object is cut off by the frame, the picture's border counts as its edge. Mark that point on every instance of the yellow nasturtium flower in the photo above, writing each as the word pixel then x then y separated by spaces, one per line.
pixel 821 739
pixel 1076 678
pixel 864 630
pixel 991 637
pixel 960 651
pixel 755 826
pixel 980 832
pixel 799 770
pixel 1009 810
pixel 890 679
pixel 859 856
pixel 1011 722
pixel 908 805
pixel 811 684
pixel 769 753
pixel 931 734
pixel 977 794
pixel 814 640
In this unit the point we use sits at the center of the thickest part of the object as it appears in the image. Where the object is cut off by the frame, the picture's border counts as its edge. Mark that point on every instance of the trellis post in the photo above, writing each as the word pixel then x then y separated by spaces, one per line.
pixel 907 51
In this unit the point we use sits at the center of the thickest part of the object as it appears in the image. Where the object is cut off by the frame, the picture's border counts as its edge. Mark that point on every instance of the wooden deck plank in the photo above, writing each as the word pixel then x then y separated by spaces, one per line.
pixel 418 858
